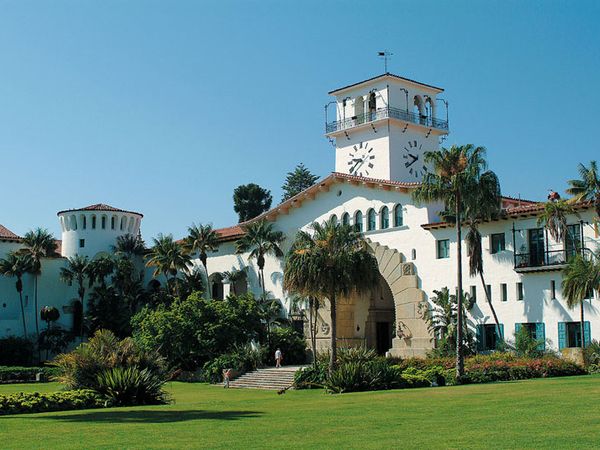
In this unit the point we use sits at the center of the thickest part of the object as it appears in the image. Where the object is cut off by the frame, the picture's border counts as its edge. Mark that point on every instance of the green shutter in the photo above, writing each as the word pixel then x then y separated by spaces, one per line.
pixel 562 335
pixel 479 334
pixel 586 333
pixel 540 335
pixel 518 327
pixel 500 338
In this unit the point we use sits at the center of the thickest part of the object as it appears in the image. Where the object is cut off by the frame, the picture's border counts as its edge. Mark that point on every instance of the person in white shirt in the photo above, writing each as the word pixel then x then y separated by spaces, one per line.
pixel 278 358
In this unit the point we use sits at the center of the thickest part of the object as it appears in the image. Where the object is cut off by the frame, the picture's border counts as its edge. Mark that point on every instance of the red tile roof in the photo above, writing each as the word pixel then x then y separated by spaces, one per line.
pixel 386 75
pixel 7 235
pixel 100 207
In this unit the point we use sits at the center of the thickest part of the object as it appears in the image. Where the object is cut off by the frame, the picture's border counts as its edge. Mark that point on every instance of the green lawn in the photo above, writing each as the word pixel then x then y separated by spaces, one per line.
pixel 557 413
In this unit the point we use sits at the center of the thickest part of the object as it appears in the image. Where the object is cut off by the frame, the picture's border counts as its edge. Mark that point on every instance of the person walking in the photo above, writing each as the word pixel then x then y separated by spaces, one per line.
pixel 226 377
pixel 278 358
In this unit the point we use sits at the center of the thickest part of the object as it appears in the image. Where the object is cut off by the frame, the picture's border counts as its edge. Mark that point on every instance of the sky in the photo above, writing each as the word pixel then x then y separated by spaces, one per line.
pixel 164 107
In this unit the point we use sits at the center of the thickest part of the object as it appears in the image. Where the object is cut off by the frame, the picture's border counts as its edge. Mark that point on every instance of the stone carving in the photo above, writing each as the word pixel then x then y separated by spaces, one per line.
pixel 325 328
pixel 402 331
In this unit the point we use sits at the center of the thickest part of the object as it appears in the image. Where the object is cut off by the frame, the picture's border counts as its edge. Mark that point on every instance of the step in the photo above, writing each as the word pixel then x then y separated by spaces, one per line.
pixel 267 379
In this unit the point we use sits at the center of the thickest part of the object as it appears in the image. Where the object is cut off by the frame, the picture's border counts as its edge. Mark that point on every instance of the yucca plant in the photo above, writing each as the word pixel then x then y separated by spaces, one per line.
pixel 126 386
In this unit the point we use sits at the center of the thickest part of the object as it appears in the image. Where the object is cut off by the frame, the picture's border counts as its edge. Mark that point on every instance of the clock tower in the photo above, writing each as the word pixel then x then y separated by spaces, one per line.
pixel 384 125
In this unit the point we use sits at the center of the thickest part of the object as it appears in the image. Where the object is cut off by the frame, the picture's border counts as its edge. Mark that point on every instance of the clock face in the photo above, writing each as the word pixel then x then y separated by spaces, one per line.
pixel 413 155
pixel 362 160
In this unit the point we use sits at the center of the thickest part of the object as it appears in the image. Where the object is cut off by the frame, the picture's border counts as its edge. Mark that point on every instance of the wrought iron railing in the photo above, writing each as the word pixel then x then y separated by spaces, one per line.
pixel 547 258
pixel 385 113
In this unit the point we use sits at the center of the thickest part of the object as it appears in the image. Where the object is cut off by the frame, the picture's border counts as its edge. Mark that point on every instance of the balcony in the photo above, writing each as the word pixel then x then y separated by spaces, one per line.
pixel 386 113
pixel 544 261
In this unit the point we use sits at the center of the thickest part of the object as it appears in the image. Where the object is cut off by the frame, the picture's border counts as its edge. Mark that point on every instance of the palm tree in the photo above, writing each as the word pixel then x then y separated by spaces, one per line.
pixel 330 262
pixel 129 245
pixel 234 276
pixel 555 218
pixel 16 266
pixel 39 244
pixel 482 204
pixel 457 171
pixel 202 239
pixel 580 278
pixel 101 268
pixel 261 240
pixel 168 257
pixel 588 187
pixel 78 269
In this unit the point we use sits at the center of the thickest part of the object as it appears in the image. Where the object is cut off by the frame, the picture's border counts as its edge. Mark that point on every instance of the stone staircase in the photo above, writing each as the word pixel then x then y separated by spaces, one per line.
pixel 269 379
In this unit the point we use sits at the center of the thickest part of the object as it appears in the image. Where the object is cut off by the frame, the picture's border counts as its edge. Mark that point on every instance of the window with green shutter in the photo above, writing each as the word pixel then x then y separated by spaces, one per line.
pixel 562 335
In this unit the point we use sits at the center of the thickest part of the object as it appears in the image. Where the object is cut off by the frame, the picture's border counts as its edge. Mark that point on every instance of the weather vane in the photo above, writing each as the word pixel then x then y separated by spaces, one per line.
pixel 385 55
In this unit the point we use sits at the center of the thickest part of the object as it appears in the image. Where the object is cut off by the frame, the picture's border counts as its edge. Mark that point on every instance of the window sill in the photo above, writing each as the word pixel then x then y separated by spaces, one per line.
pixel 385 230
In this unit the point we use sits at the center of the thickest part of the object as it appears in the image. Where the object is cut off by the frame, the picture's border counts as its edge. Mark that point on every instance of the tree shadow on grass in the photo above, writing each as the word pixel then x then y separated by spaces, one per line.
pixel 151 416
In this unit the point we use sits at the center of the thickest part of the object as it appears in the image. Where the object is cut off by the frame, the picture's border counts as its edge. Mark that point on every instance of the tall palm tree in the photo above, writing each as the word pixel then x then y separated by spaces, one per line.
pixel 457 171
pixel 78 269
pixel 202 239
pixel 261 240
pixel 129 245
pixel 16 266
pixel 101 268
pixel 330 261
pixel 588 187
pixel 168 257
pixel 555 218
pixel 580 278
pixel 482 204
pixel 38 244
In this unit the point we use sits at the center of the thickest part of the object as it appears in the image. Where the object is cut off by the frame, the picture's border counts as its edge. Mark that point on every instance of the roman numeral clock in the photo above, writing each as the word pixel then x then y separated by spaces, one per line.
pixel 362 160
pixel 413 155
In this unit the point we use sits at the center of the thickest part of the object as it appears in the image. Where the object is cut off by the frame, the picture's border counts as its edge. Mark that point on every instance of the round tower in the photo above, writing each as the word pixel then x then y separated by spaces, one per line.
pixel 95 228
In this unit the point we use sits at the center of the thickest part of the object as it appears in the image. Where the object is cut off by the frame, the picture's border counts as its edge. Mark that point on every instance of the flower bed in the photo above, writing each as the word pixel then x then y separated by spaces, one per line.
pixel 35 402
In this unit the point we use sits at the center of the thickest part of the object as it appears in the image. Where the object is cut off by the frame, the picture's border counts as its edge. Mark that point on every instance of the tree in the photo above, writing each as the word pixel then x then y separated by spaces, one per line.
pixel 555 218
pixel 101 268
pixel 329 262
pixel 457 171
pixel 78 269
pixel 250 200
pixel 168 257
pixel 581 277
pixel 16 266
pixel 202 239
pixel 260 239
pixel 39 244
pixel 296 181
pixel 588 187
pixel 235 276
pixel 482 204
pixel 129 245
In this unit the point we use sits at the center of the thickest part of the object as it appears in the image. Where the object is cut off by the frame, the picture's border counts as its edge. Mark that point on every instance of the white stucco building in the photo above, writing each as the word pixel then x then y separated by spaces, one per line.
pixel 381 128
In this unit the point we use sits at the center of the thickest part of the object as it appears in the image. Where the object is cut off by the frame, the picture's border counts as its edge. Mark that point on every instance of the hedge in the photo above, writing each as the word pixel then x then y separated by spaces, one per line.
pixel 35 402
pixel 16 374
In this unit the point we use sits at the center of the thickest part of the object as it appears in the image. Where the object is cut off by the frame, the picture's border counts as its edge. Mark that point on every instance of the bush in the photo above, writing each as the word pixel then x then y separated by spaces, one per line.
pixel 311 377
pixel 190 332
pixel 126 386
pixel 242 359
pixel 290 343
pixel 366 376
pixel 16 351
pixel 591 354
pixel 54 340
pixel 526 346
pixel 34 402
pixel 16 374
pixel 435 375
pixel 87 366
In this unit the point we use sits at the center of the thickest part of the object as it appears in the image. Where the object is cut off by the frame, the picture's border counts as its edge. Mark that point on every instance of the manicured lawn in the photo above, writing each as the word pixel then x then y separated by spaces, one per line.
pixel 547 413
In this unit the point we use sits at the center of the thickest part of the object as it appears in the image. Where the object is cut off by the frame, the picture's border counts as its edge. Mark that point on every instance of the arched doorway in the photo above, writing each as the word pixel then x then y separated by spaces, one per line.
pixel 379 327
pixel 215 282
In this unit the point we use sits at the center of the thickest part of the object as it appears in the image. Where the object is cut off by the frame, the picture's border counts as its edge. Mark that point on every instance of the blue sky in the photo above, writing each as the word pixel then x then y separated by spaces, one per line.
pixel 164 107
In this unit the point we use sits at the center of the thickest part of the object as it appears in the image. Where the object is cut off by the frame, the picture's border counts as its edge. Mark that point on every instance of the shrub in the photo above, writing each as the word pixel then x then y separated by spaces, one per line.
pixel 81 368
pixel 16 374
pixel 290 343
pixel 526 345
pixel 435 374
pixel 16 351
pixel 311 377
pixel 54 340
pixel 125 386
pixel 190 332
pixel 365 376
pixel 34 402
pixel 591 354
pixel 242 359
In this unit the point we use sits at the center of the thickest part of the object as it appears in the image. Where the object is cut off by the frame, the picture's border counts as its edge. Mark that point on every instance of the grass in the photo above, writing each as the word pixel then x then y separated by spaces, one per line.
pixel 543 413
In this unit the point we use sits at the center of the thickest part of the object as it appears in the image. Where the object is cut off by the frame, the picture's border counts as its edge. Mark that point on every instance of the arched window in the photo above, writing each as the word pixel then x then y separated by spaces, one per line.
pixel 371 220
pixel 398 219
pixel 216 286
pixel 358 221
pixel 130 226
pixel 384 219
pixel 372 105
pixel 113 222
pixel 359 110
pixel 73 223
pixel 94 222
pixel 123 222
pixel 419 110
pixel 83 222
pixel 103 222
pixel 333 218
pixel 346 219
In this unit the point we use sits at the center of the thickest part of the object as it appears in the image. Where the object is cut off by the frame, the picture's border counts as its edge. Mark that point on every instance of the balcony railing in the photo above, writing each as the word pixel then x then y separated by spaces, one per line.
pixel 385 113
pixel 548 259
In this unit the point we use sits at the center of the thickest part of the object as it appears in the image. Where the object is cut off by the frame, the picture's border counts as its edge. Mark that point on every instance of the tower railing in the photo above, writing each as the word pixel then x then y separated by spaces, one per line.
pixel 385 113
